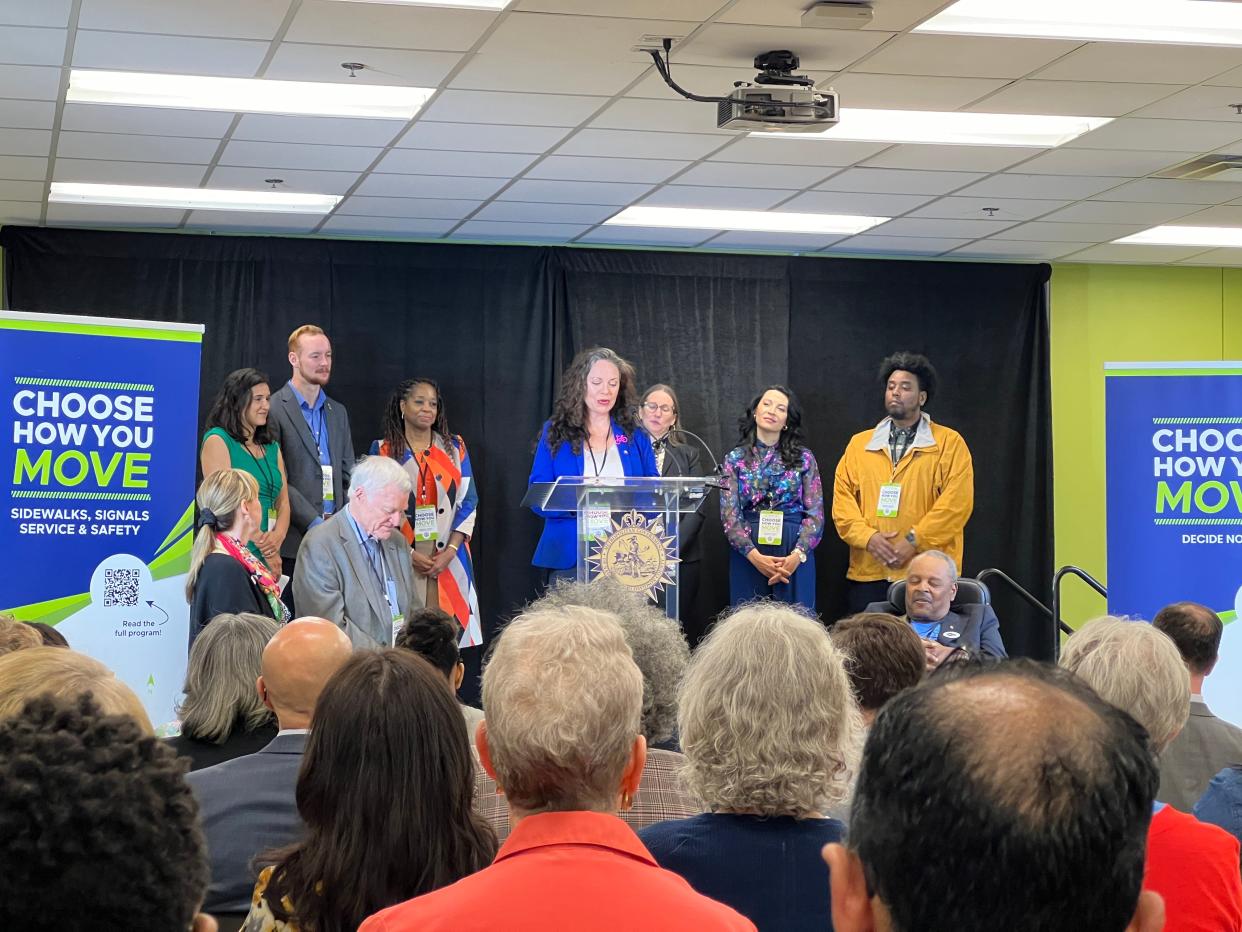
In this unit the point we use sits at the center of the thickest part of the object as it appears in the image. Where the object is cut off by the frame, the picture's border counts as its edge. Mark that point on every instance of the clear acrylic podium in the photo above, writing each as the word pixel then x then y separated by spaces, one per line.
pixel 626 527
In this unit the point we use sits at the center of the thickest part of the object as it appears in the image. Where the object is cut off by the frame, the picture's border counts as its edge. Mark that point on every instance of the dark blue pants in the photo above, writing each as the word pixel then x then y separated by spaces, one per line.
pixel 746 582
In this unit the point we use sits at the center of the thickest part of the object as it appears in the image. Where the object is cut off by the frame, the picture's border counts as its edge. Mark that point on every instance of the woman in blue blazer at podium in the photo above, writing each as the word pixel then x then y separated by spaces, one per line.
pixel 593 431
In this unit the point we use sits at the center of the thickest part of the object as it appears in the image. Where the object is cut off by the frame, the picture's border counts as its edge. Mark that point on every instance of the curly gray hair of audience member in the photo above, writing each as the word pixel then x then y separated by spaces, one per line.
pixel 563 699
pixel 225 662
pixel 376 473
pixel 1135 667
pixel 658 645
pixel 769 724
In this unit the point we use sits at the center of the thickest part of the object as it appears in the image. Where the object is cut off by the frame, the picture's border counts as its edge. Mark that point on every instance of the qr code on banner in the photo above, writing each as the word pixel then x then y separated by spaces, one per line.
pixel 120 588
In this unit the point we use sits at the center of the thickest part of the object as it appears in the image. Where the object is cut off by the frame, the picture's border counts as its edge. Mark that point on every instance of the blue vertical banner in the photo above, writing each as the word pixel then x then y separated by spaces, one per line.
pixel 97 458
pixel 1174 475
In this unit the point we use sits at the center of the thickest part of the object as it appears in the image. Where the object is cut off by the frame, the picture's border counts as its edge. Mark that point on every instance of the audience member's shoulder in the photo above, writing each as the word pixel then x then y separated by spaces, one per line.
pixel 1188 832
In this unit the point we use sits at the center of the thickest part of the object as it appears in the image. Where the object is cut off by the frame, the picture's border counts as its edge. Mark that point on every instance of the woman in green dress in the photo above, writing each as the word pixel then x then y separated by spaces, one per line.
pixel 237 437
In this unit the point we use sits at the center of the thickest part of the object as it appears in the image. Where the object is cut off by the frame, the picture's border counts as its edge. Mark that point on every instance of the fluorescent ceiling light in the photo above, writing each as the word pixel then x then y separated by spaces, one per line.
pixel 766 221
pixel 246 95
pixel 132 195
pixel 950 128
pixel 454 4
pixel 1185 236
pixel 1186 22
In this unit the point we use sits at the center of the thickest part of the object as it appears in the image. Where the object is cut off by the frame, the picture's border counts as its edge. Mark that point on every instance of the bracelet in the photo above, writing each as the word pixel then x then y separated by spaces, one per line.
pixel 453 547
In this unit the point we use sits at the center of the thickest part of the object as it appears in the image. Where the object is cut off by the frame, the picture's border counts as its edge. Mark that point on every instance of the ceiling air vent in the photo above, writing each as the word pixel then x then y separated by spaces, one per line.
pixel 1206 168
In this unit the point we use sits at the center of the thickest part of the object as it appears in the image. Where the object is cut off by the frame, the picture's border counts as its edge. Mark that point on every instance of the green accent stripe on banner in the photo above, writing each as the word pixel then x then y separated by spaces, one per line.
pixel 51 611
pixel 1198 520
pixel 78 383
pixel 1109 373
pixel 88 496
pixel 98 330
pixel 173 561
pixel 184 524
pixel 1227 617
pixel 1196 420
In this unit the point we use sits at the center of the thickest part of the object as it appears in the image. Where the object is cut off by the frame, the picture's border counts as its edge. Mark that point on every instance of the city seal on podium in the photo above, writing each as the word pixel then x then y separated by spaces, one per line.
pixel 637 554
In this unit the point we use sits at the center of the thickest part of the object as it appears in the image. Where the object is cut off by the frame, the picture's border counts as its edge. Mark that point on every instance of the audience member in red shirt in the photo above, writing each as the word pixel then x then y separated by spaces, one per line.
pixel 563 700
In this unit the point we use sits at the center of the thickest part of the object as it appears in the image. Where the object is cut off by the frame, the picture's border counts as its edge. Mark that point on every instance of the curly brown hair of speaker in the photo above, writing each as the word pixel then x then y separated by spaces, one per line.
pixel 569 414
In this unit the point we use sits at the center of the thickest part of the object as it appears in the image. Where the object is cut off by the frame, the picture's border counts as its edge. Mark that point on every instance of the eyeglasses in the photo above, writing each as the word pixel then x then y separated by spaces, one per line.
pixel 653 407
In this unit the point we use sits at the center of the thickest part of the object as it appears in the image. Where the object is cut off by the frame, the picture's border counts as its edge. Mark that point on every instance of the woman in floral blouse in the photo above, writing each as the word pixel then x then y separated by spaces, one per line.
pixel 773 507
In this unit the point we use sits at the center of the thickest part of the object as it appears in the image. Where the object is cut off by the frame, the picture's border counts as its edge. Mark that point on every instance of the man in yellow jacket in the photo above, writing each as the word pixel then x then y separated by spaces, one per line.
pixel 905 486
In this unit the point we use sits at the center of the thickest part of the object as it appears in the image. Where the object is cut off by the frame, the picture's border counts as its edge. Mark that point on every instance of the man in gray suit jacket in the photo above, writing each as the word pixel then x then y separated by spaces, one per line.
pixel 1207 744
pixel 313 432
pixel 355 570
pixel 248 804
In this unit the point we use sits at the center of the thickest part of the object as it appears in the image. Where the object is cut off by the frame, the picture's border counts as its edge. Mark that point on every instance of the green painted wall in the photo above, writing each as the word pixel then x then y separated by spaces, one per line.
pixel 1107 313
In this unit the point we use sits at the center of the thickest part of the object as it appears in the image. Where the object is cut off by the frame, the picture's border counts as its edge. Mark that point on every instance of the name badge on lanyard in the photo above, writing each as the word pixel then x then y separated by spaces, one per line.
pixel 425 523
pixel 398 619
pixel 771 528
pixel 598 522
pixel 328 494
pixel 271 519
pixel 890 501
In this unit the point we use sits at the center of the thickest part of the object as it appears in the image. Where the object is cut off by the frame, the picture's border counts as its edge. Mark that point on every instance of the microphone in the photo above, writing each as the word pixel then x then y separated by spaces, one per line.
pixel 717 480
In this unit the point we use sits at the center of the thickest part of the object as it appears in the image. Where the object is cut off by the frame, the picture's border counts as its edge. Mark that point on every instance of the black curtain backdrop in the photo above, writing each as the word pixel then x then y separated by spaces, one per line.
pixel 496 324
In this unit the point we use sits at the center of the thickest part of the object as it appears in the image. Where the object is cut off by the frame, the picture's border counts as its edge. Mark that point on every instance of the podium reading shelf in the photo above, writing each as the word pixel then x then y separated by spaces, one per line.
pixel 627 527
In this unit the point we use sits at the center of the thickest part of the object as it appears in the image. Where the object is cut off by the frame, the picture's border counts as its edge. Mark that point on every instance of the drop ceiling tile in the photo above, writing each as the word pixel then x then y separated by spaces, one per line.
pixel 145 121
pixel 593 54
pixel 1074 98
pixel 646 236
pixel 102 171
pixel 1016 249
pixel 908 92
pixel 43 13
pixel 746 175
pixel 26 142
pixel 642 145
pixel 21 190
pixel 92 216
pixel 770 153
pixel 19 211
pixel 30 82
pixel 1142 63
pixel 522 212
pixel 1224 215
pixel 1114 252
pixel 385 25
pixel 966 56
pixel 772 242
pixel 132 148
pixel 684 195
pixel 381 185
pixel 297 61
pixel 458 106
pixel 1225 257
pixel 449 162
pixel 298 155
pixel 734 45
pixel 898 181
pixel 972 208
pixel 845 202
pixel 898 245
pixel 22 168
pixel 582 168
pixel 893 15
pixel 232 19
pixel 382 226
pixel 471 137
pixel 574 192
pixel 669 116
pixel 951 158
pixel 684 9
pixel 1052 187
pixel 1198 135
pixel 709 80
pixel 947 229
pixel 519 232
pixel 223 220
pixel 421 207
pixel 1048 231
pixel 1195 103
pixel 1173 191
pixel 233 178
pixel 27 114
pixel 30 45
pixel 1122 212
pixel 1114 162
pixel 128 51
pixel 270 127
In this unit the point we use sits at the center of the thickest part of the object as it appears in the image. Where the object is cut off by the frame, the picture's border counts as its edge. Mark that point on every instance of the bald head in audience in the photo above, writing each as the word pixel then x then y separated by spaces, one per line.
pixel 999 797
pixel 297 662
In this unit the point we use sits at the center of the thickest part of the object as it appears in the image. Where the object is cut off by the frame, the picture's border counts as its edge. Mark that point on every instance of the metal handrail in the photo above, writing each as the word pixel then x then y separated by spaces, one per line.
pixel 1071 570
pixel 1029 599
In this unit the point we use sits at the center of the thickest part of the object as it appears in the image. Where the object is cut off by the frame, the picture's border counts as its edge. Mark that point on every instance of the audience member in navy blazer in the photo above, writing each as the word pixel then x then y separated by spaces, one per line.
pixel 593 431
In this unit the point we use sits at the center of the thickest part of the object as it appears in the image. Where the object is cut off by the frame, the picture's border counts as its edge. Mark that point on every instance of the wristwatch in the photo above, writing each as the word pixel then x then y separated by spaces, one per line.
pixel 911 539
pixel 801 554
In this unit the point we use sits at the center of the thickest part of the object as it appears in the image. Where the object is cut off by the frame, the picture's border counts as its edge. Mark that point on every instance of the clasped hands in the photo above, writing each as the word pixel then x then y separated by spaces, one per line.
pixel 890 549
pixel 776 569
pixel 431 566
